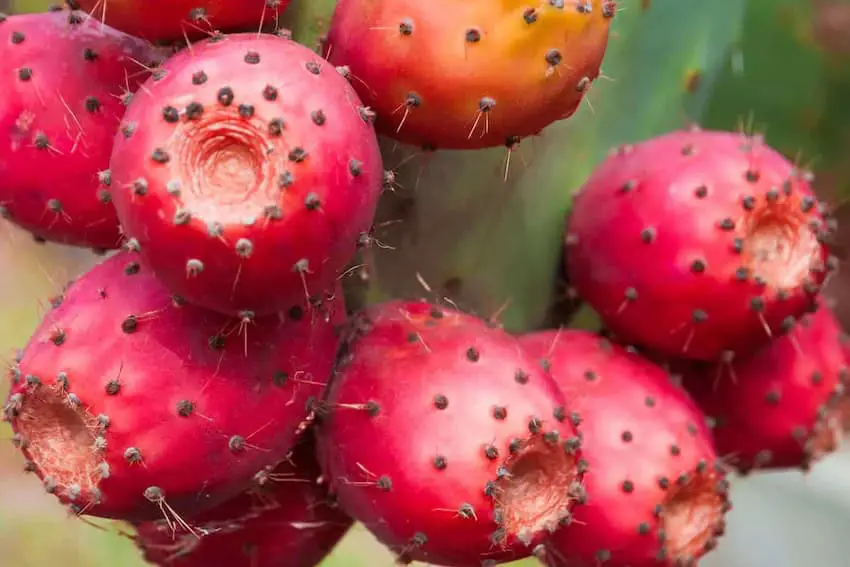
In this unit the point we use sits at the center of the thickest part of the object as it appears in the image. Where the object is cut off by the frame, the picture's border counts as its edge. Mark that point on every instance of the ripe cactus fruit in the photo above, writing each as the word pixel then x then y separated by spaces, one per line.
pixel 158 20
pixel 448 442
pixel 130 404
pixel 469 75
pixel 698 244
pixel 68 79
pixel 657 492
pixel 781 407
pixel 286 519
pixel 249 174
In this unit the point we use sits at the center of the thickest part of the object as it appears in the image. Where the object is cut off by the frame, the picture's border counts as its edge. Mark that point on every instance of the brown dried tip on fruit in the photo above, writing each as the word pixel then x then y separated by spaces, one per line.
pixel 60 437
pixel 540 484
pixel 692 516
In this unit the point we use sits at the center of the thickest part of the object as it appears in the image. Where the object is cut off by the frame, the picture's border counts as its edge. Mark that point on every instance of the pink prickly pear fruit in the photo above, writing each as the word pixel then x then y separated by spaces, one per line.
pixel 68 79
pixel 164 20
pixel 698 244
pixel 470 75
pixel 287 518
pixel 657 493
pixel 780 407
pixel 448 442
pixel 248 175
pixel 130 404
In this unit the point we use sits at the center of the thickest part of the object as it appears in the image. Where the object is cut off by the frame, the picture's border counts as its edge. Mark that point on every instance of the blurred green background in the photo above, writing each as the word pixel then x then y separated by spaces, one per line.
pixel 778 66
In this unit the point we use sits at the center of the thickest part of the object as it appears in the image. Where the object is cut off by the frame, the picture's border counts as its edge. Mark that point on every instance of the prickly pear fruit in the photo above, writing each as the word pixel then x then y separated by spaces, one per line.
pixel 68 80
pixel 780 407
pixel 697 244
pixel 249 174
pixel 287 518
pixel 158 20
pixel 469 75
pixel 449 443
pixel 130 404
pixel 657 494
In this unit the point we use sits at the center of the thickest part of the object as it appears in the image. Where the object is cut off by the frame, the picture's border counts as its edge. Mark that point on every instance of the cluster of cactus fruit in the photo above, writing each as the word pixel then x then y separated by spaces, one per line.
pixel 206 383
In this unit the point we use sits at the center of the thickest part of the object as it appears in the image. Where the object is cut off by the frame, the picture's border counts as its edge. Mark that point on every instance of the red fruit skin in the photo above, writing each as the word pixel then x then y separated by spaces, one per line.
pixel 780 407
pixel 238 219
pixel 289 520
pixel 653 240
pixel 419 420
pixel 487 75
pixel 637 427
pixel 66 81
pixel 163 20
pixel 204 401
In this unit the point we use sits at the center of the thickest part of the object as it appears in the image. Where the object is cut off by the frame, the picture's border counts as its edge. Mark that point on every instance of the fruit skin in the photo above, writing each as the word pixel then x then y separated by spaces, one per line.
pixel 637 429
pixel 664 242
pixel 163 20
pixel 428 410
pixel 67 80
pixel 469 75
pixel 165 399
pixel 286 519
pixel 252 175
pixel 780 407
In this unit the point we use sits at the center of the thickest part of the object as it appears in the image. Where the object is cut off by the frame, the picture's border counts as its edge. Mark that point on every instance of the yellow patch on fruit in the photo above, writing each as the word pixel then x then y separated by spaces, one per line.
pixel 470 74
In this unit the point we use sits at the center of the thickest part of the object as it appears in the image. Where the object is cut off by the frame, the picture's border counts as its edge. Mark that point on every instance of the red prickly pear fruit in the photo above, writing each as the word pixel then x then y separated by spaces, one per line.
pixel 780 407
pixel 470 75
pixel 698 244
pixel 448 442
pixel 657 493
pixel 287 519
pixel 250 175
pixel 130 404
pixel 164 20
pixel 68 81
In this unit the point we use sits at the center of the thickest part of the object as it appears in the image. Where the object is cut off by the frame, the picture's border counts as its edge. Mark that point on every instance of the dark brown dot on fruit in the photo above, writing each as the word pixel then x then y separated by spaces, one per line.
pixel 276 126
pixel 701 192
pixel 113 387
pixel 405 27
pixel 643 528
pixel 663 483
pixel 285 179
pixel 373 408
pixel 521 376
pixel 572 445
pixel 252 58
pixel 472 354
pixel 698 266
pixel 647 235
pixel 312 67
pixel 726 224
pixel 385 483
pixel 787 324
pixel 246 110
pixel 170 114
pixel 529 15
pixel 534 425
pixel 772 397
pixel 752 176
pixel 748 203
pixel 675 450
pixel 500 412
pixel 757 304
pixel 627 436
pixel 25 73
pixel 628 186
pixel 216 342
pixel 817 378
pixel 772 196
pixel 160 156
pixel 318 117
pixel 559 413
pixel 199 78
pixel 441 402
pixel 807 203
pixel 244 248
pixel 473 35
pixel 130 324
pixel 89 54
pixel 297 155
pixel 440 462
pixel 412 100
pixel 225 96
pixel 194 267
pixel 236 443
pixel 628 486
pixel 590 375
pixel 312 202
pixel 132 268
pixel 92 104
pixel 194 110
pixel 649 402
pixel 554 57
pixel 355 167
pixel 491 452
pixel 128 129
pixel 699 316
pixel 486 104
pixel 185 408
